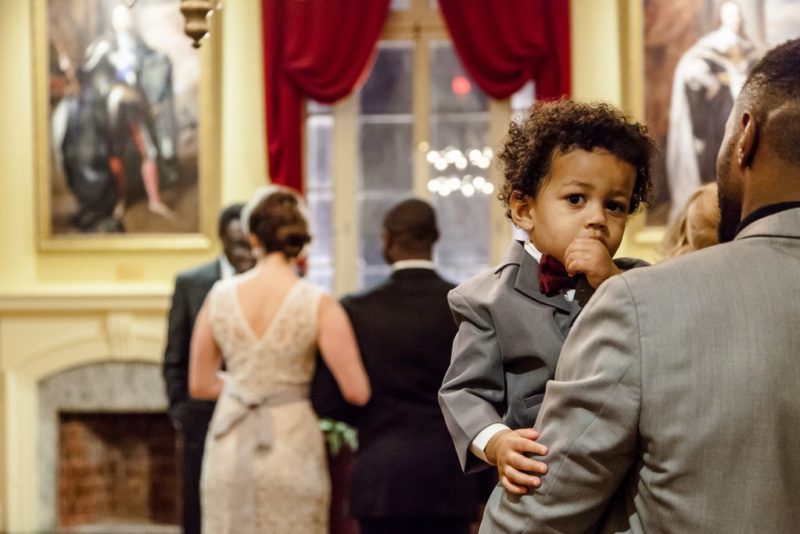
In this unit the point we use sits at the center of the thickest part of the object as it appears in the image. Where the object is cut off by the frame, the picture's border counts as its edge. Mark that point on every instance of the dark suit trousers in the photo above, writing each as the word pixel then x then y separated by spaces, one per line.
pixel 195 426
pixel 415 524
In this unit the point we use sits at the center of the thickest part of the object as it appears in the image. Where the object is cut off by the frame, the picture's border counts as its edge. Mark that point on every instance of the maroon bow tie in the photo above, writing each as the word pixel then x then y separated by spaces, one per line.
pixel 553 277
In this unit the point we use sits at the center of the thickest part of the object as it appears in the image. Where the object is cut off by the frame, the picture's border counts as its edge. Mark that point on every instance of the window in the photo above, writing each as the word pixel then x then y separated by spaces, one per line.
pixel 419 126
pixel 459 147
pixel 385 140
pixel 319 193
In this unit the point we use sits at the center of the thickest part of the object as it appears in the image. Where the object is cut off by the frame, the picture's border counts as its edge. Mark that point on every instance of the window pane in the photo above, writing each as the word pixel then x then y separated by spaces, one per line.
pixel 463 197
pixel 452 88
pixel 463 248
pixel 385 129
pixel 459 172
pixel 373 275
pixel 385 178
pixel 400 5
pixel 388 88
pixel 523 99
pixel 318 151
pixel 372 210
pixel 319 194
pixel 320 261
pixel 317 108
pixel 385 151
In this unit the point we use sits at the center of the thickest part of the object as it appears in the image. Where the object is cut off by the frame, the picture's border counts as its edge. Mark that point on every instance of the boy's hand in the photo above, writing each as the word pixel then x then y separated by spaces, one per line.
pixel 590 256
pixel 507 450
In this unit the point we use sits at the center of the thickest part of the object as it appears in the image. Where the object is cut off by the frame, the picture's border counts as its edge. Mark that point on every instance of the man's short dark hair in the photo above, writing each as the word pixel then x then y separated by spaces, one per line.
pixel 231 213
pixel 565 125
pixel 412 224
pixel 774 82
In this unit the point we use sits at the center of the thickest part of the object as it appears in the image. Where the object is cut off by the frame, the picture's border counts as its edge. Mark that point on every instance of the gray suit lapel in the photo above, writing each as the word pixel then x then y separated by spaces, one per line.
pixel 527 281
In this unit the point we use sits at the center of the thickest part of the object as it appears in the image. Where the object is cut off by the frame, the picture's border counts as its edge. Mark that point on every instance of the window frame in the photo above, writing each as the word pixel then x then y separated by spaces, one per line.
pixel 422 25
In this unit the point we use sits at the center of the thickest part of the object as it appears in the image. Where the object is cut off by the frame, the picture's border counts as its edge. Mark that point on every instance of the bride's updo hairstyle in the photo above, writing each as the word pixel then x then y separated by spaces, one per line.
pixel 277 220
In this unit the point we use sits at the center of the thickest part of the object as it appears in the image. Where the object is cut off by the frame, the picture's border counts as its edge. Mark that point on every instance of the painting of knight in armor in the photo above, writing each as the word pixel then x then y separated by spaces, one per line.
pixel 698 54
pixel 123 118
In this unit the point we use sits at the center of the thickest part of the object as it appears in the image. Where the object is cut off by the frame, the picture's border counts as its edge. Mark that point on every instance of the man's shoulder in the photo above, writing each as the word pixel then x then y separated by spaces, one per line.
pixel 205 270
pixel 684 274
pixel 390 288
pixel 365 293
pixel 436 283
pixel 205 273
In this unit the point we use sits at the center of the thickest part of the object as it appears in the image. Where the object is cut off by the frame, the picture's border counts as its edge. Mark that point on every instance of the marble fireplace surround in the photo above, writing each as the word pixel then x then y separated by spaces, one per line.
pixel 108 387
pixel 45 340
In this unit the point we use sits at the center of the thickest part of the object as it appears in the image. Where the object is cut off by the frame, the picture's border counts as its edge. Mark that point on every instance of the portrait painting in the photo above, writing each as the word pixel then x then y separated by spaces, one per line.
pixel 697 55
pixel 122 121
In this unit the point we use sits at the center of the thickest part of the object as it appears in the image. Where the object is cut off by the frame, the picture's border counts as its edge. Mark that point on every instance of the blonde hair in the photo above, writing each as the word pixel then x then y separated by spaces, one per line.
pixel 696 225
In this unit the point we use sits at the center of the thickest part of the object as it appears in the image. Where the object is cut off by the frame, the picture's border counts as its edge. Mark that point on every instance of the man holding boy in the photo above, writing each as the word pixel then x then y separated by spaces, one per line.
pixel 573 174
pixel 675 406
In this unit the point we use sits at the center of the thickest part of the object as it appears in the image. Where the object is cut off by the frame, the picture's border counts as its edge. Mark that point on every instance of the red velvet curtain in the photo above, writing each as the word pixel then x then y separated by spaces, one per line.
pixel 505 43
pixel 316 49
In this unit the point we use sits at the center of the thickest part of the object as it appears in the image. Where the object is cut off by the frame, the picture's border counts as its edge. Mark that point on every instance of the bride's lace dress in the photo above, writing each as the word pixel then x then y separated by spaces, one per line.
pixel 264 468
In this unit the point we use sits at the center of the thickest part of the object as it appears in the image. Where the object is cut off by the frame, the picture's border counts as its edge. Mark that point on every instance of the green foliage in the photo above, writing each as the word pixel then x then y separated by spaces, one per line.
pixel 339 435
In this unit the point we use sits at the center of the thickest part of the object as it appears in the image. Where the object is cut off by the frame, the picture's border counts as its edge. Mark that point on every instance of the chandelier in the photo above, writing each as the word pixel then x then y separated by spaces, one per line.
pixel 450 165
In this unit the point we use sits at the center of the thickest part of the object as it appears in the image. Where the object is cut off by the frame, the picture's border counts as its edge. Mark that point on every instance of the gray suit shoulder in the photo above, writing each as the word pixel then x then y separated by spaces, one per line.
pixel 675 276
pixel 484 289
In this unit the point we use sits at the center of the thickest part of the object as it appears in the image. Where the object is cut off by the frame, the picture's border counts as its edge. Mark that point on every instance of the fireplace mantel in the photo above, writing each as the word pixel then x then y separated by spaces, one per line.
pixel 48 332
pixel 83 298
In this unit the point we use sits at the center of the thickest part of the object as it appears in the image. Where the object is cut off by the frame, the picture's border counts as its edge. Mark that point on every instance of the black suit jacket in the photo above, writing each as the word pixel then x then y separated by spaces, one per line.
pixel 191 288
pixel 406 464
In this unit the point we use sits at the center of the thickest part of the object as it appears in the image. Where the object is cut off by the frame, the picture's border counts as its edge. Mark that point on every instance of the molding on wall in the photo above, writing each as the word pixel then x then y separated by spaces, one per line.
pixel 51 303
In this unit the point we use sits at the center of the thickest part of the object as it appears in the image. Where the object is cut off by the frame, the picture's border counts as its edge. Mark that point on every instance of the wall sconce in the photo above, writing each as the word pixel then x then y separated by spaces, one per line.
pixel 196 14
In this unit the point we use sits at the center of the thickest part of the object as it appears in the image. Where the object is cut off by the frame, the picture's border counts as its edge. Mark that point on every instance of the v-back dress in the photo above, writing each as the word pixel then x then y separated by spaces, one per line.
pixel 264 467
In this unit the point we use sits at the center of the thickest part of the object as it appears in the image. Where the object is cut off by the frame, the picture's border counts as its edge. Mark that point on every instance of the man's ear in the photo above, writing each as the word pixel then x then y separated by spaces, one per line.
pixel 522 211
pixel 748 142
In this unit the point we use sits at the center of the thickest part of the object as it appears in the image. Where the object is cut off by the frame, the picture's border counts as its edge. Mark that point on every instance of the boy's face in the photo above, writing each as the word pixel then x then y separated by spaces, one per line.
pixel 585 194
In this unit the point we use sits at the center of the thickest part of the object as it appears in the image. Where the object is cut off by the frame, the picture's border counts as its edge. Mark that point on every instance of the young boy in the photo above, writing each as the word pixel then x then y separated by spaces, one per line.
pixel 573 174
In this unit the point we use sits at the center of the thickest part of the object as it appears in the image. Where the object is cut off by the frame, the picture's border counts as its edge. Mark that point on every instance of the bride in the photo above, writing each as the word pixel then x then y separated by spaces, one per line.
pixel 264 468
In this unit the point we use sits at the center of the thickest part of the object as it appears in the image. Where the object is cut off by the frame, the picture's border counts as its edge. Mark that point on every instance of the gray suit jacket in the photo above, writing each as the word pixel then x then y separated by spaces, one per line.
pixel 508 341
pixel 676 405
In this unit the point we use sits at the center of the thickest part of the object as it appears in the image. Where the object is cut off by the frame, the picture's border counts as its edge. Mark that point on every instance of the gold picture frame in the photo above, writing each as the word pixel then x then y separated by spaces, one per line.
pixel 191 226
pixel 631 23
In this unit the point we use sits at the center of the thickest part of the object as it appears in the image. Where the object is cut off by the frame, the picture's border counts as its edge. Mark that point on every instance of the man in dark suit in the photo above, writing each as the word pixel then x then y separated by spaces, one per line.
pixel 190 416
pixel 406 476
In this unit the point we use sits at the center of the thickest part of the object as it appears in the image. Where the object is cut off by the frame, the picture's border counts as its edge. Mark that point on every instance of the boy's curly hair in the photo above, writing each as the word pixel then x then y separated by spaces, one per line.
pixel 565 125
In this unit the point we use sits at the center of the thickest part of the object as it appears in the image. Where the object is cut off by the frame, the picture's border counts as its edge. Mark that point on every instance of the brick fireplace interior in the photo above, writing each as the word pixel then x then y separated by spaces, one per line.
pixel 117 468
